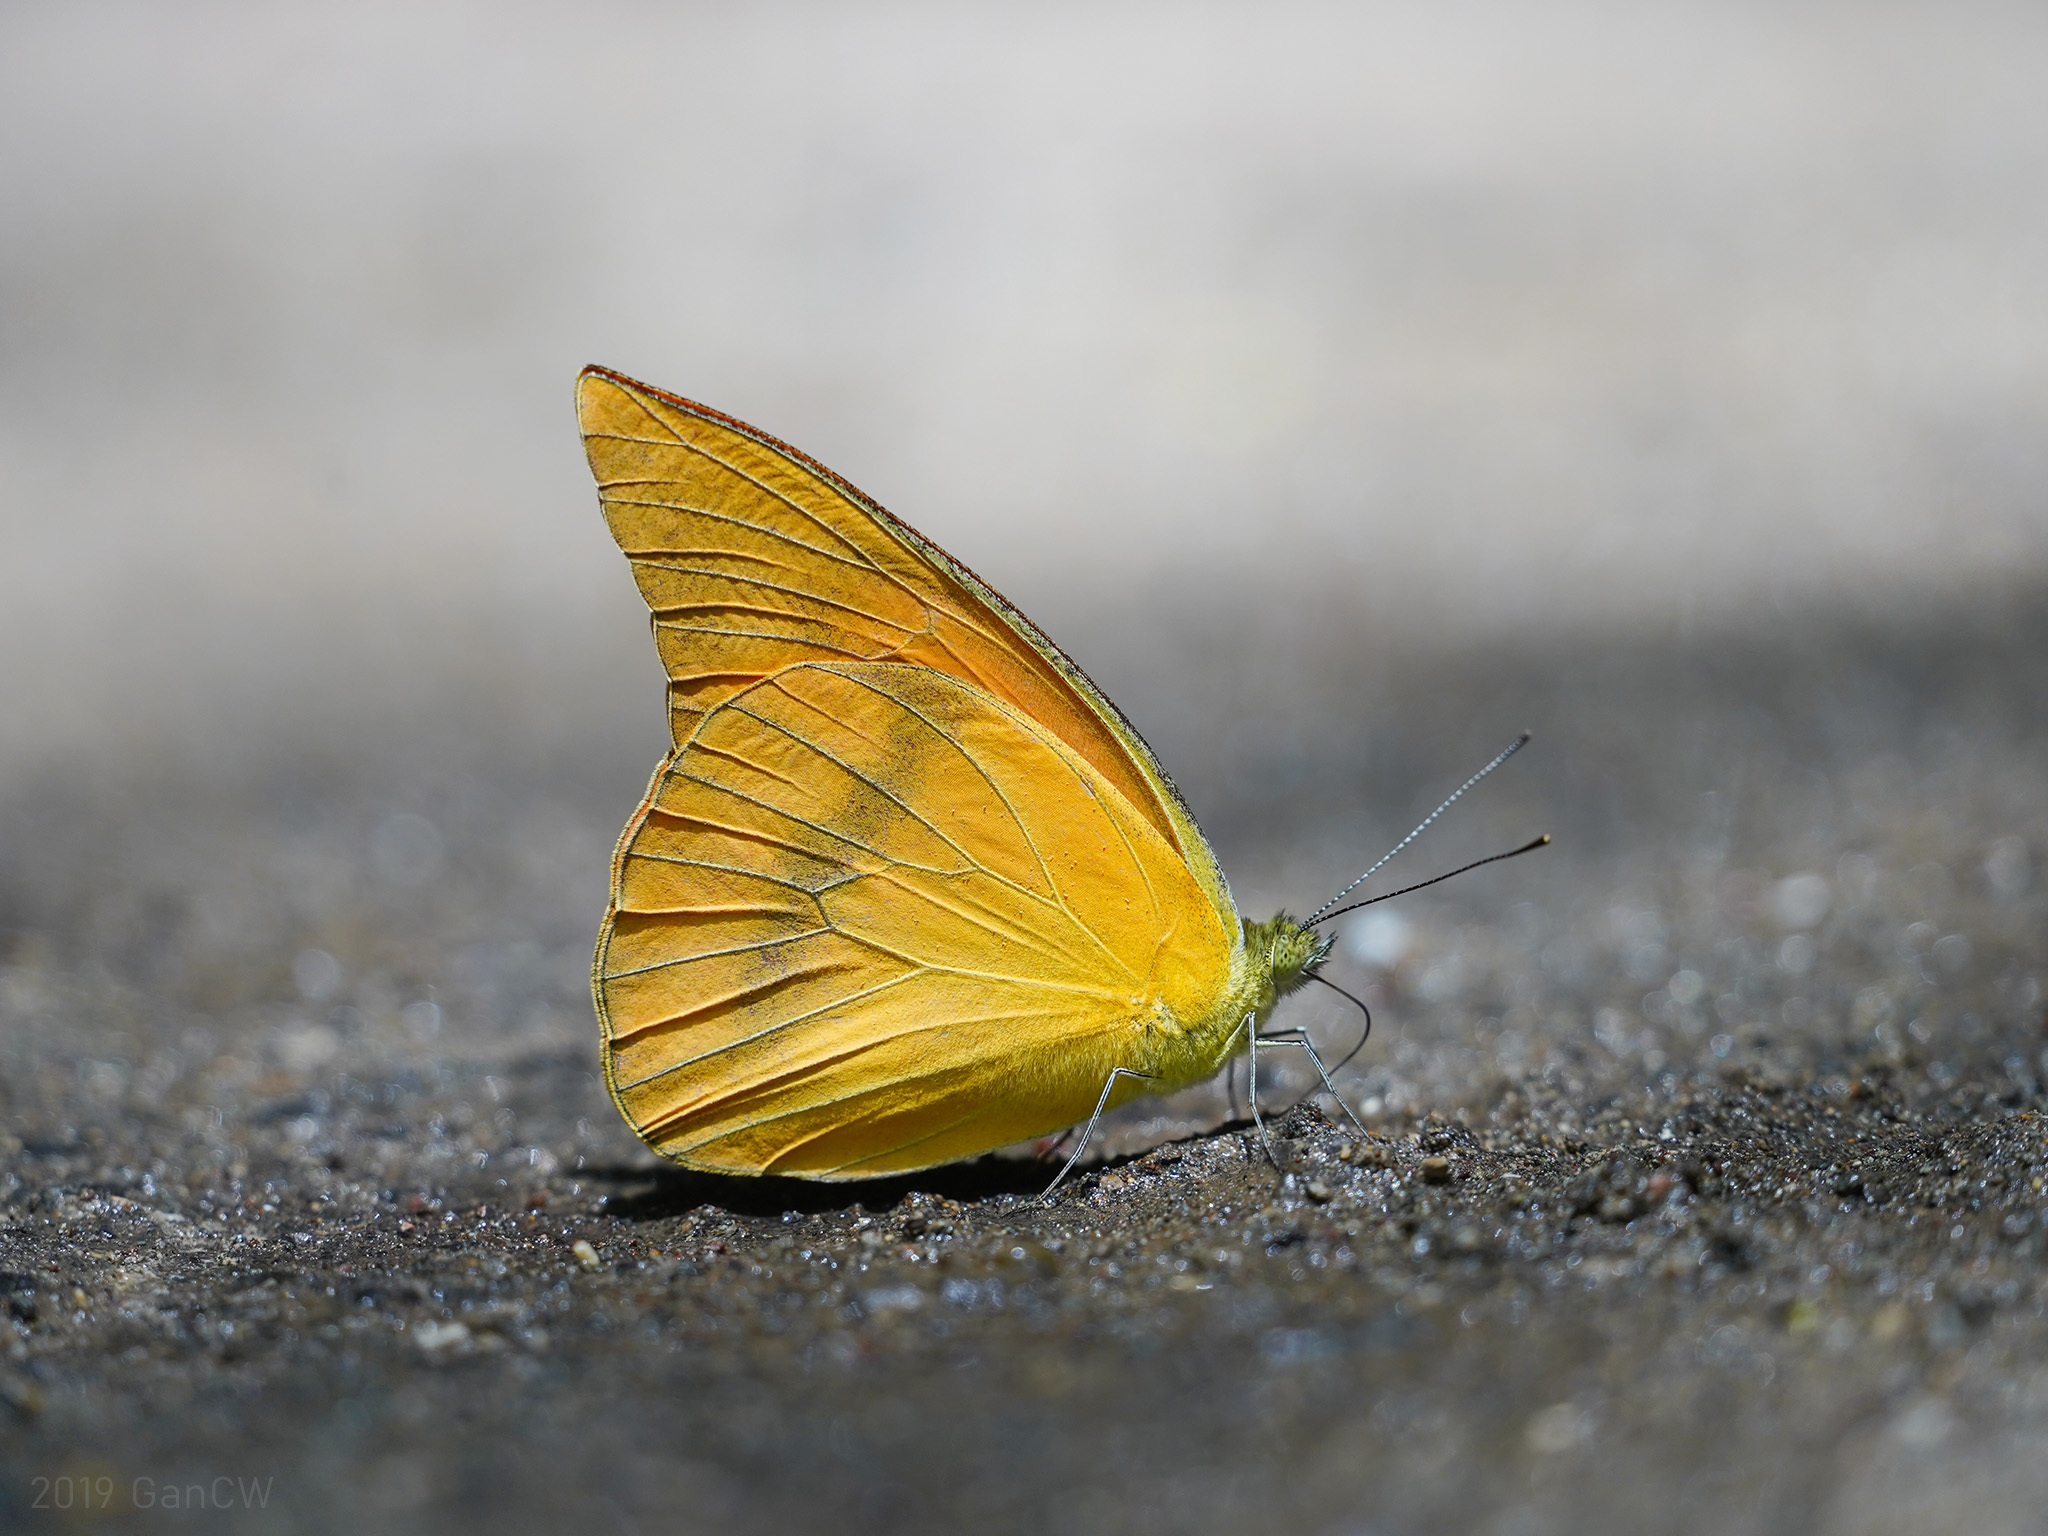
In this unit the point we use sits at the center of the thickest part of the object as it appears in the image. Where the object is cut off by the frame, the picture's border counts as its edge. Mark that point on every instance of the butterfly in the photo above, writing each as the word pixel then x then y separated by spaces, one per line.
pixel 908 887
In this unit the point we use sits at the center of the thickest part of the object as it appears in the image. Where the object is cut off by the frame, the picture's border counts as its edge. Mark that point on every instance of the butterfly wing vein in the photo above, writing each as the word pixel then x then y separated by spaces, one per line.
pixel 841 949
pixel 908 887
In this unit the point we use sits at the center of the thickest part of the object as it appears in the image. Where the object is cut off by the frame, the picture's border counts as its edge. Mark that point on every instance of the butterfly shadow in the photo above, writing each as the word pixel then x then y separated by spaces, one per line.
pixel 643 1193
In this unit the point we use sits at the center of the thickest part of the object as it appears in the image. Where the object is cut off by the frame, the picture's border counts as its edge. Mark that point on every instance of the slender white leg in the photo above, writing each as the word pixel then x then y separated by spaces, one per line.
pixel 1300 1038
pixel 1087 1135
pixel 1251 1024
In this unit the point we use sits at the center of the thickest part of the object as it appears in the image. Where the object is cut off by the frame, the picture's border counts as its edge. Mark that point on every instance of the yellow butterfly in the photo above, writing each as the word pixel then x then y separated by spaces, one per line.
pixel 908 888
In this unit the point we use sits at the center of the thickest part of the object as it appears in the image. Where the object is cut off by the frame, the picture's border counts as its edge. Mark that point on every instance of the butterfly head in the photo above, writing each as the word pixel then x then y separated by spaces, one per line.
pixel 1287 951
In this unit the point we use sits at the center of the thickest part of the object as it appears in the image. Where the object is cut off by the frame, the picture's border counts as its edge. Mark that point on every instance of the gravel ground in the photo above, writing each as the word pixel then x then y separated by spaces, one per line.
pixel 1703 1189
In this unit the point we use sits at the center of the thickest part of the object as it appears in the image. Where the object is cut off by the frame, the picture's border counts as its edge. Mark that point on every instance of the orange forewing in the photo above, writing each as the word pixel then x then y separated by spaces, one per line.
pixel 754 558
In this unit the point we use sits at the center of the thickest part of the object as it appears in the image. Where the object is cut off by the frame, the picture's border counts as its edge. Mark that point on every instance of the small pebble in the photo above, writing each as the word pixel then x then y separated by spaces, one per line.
pixel 1436 1170
pixel 1890 1323
pixel 22 1395
pixel 433 1336
pixel 585 1254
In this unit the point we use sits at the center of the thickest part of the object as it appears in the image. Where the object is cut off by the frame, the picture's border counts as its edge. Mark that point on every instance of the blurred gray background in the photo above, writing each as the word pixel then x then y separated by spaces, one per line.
pixel 1338 383
pixel 1483 320
pixel 1346 387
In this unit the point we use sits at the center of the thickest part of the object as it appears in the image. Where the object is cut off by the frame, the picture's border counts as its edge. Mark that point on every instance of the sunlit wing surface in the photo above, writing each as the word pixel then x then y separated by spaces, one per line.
pixel 870 919
pixel 909 887
pixel 754 558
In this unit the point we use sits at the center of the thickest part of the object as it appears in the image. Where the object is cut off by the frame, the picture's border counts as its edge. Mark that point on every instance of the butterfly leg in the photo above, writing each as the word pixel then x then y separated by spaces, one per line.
pixel 1300 1038
pixel 1251 1029
pixel 1087 1135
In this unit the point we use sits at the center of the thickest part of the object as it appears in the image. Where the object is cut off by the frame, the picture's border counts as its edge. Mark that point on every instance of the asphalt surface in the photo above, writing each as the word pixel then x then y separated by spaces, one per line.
pixel 1703 1188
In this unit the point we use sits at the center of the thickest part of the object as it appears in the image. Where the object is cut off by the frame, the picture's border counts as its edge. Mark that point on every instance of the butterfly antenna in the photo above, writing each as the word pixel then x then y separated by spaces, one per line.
pixel 1313 976
pixel 1323 911
pixel 1495 858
